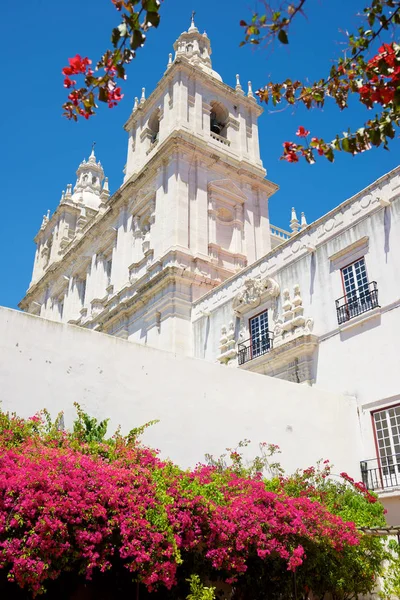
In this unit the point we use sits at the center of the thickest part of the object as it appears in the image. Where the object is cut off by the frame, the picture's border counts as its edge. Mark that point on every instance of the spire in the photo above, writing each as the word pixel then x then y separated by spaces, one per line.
pixel 193 28
pixel 68 193
pixel 169 60
pixel 105 192
pixel 250 91
pixel 88 186
pixel 143 98
pixel 135 106
pixel 92 157
pixel 303 222
pixel 238 87
pixel 294 222
pixel 195 47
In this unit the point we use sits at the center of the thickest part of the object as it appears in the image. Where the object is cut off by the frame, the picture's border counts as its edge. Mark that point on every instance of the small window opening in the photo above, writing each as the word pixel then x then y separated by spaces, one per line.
pixel 218 119
pixel 154 126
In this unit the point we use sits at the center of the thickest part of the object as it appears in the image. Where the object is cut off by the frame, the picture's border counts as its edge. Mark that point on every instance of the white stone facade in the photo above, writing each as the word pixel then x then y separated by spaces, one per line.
pixel 192 211
pixel 183 257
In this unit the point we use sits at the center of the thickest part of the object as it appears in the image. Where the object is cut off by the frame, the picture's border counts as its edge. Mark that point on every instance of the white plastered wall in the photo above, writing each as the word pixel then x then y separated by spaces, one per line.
pixel 202 407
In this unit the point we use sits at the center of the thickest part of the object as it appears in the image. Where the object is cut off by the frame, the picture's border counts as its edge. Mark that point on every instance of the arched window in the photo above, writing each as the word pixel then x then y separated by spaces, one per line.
pixel 218 119
pixel 154 125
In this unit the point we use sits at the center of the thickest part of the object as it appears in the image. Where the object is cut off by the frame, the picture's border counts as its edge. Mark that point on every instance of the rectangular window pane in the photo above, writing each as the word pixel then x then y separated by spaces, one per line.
pixel 260 341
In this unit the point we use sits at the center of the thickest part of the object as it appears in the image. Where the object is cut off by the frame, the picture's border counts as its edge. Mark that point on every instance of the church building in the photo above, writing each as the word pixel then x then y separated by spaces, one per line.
pixel 183 257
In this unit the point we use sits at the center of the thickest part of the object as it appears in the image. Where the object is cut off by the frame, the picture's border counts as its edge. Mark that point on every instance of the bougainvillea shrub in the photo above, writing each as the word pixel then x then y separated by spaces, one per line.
pixel 79 503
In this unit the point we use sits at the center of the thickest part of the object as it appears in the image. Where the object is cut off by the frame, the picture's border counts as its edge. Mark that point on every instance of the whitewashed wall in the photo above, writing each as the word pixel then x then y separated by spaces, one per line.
pixel 202 407
pixel 360 359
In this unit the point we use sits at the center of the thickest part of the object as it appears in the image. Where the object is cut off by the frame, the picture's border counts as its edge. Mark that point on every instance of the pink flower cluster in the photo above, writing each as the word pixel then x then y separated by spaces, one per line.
pixel 361 487
pixel 62 509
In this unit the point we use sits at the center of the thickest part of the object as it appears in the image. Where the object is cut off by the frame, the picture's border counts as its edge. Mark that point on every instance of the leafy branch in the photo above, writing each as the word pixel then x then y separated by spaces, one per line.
pixel 137 17
pixel 376 83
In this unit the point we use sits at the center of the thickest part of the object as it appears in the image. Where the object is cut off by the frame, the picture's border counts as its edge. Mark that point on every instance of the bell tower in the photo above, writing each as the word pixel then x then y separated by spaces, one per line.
pixel 192 211
pixel 193 146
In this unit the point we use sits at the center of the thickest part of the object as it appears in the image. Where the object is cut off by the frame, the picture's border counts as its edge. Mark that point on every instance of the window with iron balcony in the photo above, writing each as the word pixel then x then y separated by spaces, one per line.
pixel 360 295
pixel 383 472
pixel 260 341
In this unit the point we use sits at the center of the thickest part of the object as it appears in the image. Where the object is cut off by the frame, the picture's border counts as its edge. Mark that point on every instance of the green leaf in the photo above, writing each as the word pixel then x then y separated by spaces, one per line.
pixel 137 39
pixel 153 18
pixel 103 95
pixel 282 37
pixel 346 145
pixel 115 36
pixel 329 155
pixel 151 5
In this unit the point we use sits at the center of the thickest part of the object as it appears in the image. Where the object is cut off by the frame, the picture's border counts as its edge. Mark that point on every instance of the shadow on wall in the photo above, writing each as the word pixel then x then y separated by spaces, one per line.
pixel 313 269
pixel 373 322
pixel 387 223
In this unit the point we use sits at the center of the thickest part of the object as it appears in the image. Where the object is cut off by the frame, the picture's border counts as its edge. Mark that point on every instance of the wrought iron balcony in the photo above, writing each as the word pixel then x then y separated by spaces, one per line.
pixel 251 348
pixel 381 473
pixel 357 302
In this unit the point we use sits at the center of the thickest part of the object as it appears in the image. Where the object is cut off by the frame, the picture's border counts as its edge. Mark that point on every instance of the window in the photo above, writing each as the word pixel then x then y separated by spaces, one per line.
pixel 259 334
pixel 360 295
pixel 218 119
pixel 355 278
pixel 387 428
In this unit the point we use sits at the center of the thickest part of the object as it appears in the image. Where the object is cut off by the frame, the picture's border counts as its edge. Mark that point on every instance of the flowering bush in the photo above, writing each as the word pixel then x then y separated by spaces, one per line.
pixel 82 504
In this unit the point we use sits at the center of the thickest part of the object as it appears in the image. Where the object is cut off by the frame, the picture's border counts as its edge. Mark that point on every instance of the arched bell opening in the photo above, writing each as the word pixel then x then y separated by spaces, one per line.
pixel 154 125
pixel 218 119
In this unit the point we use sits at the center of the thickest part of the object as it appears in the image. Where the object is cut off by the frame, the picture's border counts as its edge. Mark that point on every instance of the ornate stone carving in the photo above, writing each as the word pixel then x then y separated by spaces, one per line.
pixel 227 344
pixel 253 292
pixel 292 322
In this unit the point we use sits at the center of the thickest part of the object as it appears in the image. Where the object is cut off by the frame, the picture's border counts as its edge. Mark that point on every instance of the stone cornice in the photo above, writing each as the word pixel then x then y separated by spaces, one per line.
pixel 182 140
pixel 182 64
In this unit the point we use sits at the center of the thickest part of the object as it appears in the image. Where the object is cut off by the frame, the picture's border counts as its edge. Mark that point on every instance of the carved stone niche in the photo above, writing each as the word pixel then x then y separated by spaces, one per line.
pixel 255 292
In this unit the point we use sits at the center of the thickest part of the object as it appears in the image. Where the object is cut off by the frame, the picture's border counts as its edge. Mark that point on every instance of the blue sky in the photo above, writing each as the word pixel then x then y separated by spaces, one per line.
pixel 40 151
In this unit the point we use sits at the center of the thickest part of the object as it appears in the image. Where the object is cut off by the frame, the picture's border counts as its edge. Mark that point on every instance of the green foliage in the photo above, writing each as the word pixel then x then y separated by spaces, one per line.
pixel 344 573
pixel 88 429
pixel 198 591
pixel 391 578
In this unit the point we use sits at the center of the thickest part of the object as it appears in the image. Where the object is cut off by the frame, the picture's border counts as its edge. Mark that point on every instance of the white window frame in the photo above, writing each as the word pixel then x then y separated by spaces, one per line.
pixel 259 334
pixel 386 424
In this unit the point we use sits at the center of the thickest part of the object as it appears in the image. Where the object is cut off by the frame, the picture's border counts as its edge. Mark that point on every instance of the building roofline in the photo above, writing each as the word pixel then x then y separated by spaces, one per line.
pixel 301 233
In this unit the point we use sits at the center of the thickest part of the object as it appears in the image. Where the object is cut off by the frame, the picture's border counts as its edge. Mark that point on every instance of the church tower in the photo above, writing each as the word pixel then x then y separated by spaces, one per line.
pixel 192 211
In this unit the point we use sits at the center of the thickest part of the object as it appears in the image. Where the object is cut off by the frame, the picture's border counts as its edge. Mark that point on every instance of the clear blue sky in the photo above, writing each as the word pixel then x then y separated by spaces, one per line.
pixel 40 150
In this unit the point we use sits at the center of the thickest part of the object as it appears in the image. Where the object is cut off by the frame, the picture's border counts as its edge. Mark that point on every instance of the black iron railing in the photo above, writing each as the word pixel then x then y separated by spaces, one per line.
pixel 381 473
pixel 357 302
pixel 252 348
